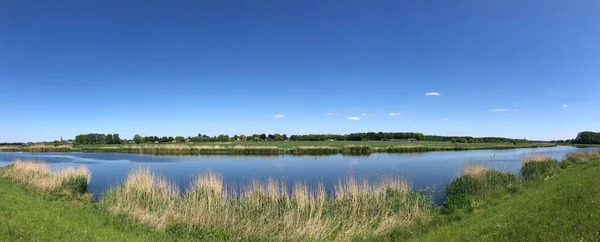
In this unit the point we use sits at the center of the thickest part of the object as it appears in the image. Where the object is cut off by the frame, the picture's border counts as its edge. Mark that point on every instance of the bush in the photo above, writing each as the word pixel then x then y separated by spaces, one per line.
pixel 463 190
pixel 538 169
pixel 76 185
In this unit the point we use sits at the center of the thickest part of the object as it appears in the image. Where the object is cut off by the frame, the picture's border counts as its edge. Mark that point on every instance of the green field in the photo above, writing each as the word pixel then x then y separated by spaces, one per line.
pixel 551 201
pixel 278 147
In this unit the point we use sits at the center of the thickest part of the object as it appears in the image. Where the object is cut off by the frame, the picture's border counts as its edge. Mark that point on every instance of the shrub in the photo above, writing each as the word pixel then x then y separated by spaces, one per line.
pixel 477 182
pixel 537 166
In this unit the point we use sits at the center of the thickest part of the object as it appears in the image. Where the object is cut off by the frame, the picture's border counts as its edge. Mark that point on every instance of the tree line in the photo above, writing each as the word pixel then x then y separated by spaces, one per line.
pixel 469 139
pixel 11 143
pixel 587 137
pixel 94 138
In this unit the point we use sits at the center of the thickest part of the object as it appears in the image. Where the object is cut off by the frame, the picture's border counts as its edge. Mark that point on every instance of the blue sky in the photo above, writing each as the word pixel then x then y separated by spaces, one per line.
pixel 501 68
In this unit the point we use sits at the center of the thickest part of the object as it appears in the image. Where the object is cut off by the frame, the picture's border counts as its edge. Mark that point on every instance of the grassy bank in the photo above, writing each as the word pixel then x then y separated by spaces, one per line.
pixel 26 215
pixel 556 201
pixel 70 181
pixel 280 148
pixel 548 201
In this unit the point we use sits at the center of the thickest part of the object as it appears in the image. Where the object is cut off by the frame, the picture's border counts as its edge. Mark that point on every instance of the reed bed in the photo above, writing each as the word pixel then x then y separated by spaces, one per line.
pixel 535 157
pixel 70 180
pixel 9 148
pixel 476 182
pixel 276 148
pixel 474 169
pixel 267 210
pixel 47 148
pixel 581 156
pixel 538 165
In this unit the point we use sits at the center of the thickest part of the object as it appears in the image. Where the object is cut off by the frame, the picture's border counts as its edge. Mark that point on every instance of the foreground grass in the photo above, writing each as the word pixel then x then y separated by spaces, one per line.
pixel 279 147
pixel 26 215
pixel 561 206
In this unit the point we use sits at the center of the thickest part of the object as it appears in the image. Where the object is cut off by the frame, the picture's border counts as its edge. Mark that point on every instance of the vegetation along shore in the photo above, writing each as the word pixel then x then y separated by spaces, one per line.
pixel 480 203
pixel 276 144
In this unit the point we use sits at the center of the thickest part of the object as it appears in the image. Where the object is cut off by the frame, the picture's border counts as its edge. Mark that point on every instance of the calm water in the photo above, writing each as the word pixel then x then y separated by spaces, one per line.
pixel 430 171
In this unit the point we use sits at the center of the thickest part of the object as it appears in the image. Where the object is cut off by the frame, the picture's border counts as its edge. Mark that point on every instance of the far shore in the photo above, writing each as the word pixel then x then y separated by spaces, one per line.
pixel 275 147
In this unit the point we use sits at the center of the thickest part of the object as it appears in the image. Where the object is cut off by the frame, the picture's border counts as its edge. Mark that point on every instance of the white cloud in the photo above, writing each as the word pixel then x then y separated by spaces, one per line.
pixel 445 119
pixel 432 94
pixel 394 114
pixel 364 114
pixel 353 118
pixel 278 116
pixel 565 106
pixel 499 110
pixel 331 114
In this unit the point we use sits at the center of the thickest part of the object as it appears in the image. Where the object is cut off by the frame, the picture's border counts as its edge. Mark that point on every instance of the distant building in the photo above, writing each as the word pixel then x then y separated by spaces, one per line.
pixel 156 142
pixel 188 140
pixel 330 140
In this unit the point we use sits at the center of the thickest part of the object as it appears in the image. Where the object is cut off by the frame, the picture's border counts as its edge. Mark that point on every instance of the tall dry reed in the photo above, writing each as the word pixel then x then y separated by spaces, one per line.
pixel 535 157
pixel 69 180
pixel 268 209
pixel 474 169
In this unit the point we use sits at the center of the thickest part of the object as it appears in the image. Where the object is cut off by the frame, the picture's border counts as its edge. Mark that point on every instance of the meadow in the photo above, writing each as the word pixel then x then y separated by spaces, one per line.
pixel 278 147
pixel 547 200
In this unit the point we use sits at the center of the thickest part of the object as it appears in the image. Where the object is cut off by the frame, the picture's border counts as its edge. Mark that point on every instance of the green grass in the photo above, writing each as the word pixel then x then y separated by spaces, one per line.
pixel 562 207
pixel 26 215
pixel 281 147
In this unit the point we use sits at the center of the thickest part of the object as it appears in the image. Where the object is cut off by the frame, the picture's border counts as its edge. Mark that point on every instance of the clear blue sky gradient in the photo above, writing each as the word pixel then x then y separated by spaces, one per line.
pixel 503 68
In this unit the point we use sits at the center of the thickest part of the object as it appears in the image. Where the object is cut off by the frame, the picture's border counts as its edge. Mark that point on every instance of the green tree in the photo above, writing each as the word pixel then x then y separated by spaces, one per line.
pixel 223 138
pixel 137 138
pixel 116 139
pixel 108 139
pixel 179 139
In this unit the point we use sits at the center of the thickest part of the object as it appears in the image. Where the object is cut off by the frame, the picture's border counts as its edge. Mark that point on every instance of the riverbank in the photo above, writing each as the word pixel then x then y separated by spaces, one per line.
pixel 550 200
pixel 277 148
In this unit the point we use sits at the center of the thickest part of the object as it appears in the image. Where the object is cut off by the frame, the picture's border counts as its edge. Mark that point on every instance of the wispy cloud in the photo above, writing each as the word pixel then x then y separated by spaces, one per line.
pixel 47 133
pixel 364 114
pixel 565 105
pixel 445 119
pixel 394 114
pixel 499 110
pixel 278 116
pixel 353 118
pixel 331 114
pixel 432 94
